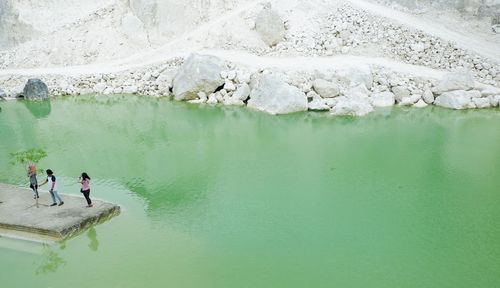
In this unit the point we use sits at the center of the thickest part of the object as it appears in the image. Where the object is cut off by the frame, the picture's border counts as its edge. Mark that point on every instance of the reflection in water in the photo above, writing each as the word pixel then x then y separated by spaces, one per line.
pixel 51 261
pixel 92 235
pixel 39 109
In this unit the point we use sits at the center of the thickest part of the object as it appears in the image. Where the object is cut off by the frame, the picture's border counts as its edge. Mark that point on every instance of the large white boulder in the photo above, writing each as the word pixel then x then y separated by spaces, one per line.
pixel 351 107
pixel 242 93
pixel 383 99
pixel 400 93
pixel 459 99
pixel 326 89
pixel 270 26
pixel 354 103
pixel 458 80
pixel 272 95
pixel 199 73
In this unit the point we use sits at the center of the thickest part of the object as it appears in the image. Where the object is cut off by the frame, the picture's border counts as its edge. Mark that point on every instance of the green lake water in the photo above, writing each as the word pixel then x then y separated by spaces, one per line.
pixel 230 197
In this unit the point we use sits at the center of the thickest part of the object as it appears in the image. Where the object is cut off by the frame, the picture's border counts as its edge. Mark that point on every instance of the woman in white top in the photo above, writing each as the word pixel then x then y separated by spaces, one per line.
pixel 51 179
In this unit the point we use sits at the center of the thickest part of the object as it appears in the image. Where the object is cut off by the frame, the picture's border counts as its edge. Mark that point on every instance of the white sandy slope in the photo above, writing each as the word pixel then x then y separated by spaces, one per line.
pixel 190 42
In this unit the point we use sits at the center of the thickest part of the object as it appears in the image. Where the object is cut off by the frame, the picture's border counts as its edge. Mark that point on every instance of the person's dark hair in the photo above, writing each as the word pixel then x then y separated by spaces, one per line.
pixel 49 172
pixel 85 176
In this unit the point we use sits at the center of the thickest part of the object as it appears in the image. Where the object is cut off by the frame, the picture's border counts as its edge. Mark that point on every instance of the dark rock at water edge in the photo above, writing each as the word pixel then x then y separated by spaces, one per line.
pixel 2 94
pixel 36 89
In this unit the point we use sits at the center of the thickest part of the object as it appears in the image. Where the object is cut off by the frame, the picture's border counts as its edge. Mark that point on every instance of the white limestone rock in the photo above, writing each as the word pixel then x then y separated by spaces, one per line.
pixel 325 88
pixel 229 86
pixel 199 73
pixel 490 90
pixel 383 99
pixel 458 80
pixel 318 104
pixel 242 93
pixel 351 107
pixel 272 95
pixel 270 26
pixel 458 99
pixel 130 89
pixel 400 93
pixel 428 96
pixel 100 87
pixel 482 102
pixel 212 99
pixel 420 104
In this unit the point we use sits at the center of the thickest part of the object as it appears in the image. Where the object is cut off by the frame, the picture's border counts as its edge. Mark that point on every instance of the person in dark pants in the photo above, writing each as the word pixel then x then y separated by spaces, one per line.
pixel 85 189
pixel 33 181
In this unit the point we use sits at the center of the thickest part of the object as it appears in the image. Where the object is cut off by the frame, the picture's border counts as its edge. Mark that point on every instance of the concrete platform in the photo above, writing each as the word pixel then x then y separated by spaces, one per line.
pixel 22 215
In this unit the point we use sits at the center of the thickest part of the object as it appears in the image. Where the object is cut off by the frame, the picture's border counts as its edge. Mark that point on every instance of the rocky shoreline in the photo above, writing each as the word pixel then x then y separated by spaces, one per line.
pixel 206 79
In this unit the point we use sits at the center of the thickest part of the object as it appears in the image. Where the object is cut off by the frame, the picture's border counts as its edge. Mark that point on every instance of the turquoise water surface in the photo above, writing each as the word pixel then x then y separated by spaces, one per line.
pixel 230 197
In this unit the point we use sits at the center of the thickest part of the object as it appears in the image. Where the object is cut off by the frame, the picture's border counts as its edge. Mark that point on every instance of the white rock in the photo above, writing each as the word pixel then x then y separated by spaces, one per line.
pixel 318 104
pixel 85 91
pixel 200 73
pixel 243 77
pixel 459 80
pixel 351 106
pixel 361 74
pixel 482 102
pixel 330 102
pixel 490 90
pixel 494 100
pixel 358 92
pixel 229 86
pixel 383 99
pixel 242 93
pixel 118 90
pixel 420 104
pixel 231 75
pixel 400 93
pixel 274 96
pixel 325 88
pixel 197 101
pixel 202 96
pixel 458 99
pixel 231 101
pixel 212 100
pixel 100 87
pixel 270 26
pixel 428 96
pixel 130 89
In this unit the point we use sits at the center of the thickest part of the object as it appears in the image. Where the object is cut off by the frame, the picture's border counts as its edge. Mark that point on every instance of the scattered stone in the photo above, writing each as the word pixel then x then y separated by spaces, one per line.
pixel 383 99
pixel 325 88
pixel 274 96
pixel 270 26
pixel 200 73
pixel 35 89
